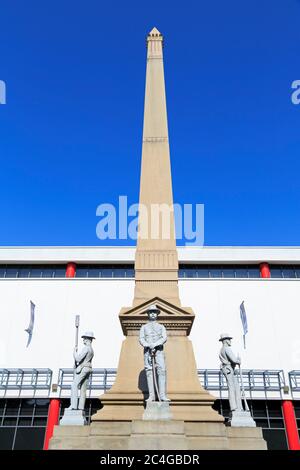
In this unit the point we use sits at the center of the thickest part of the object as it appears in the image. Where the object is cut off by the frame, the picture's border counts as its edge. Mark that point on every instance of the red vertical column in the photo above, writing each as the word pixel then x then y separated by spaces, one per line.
pixel 53 416
pixel 71 270
pixel 291 425
pixel 265 270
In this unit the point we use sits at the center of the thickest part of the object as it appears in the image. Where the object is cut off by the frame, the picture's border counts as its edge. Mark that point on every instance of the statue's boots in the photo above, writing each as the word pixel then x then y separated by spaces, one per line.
pixel 150 386
pixel 162 387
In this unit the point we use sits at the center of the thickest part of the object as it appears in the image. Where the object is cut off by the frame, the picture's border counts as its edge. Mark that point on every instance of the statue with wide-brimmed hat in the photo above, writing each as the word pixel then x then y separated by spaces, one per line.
pixel 82 371
pixel 153 336
pixel 228 366
pixel 231 368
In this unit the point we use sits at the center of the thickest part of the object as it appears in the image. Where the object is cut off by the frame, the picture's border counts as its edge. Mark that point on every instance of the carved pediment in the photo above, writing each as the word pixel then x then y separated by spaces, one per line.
pixel 174 318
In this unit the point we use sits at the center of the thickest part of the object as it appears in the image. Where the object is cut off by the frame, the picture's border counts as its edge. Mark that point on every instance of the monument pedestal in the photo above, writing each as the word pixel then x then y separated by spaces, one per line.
pixel 189 401
pixel 157 411
pixel 156 435
pixel 241 419
pixel 73 418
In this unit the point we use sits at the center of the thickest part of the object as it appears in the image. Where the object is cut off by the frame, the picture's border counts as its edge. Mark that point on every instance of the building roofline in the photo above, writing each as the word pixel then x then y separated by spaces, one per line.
pixel 126 254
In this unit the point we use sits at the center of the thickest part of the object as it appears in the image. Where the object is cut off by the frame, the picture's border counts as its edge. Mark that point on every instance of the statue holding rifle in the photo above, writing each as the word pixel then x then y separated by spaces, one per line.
pixel 231 368
pixel 74 415
pixel 153 336
pixel 83 369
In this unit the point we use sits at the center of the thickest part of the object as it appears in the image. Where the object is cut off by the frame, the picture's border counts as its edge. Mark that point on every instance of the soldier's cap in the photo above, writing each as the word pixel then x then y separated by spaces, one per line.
pixel 88 334
pixel 153 308
pixel 224 336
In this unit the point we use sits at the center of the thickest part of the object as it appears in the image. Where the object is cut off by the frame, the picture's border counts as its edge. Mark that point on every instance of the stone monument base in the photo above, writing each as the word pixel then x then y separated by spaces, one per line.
pixel 241 419
pixel 156 410
pixel 157 435
pixel 73 418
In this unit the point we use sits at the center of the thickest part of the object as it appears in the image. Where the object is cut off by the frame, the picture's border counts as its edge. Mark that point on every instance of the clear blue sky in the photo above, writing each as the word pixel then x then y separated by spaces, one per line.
pixel 70 133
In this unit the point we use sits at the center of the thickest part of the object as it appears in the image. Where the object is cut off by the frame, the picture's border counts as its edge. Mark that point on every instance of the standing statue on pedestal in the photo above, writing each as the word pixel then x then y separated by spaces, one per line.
pixel 228 363
pixel 74 415
pixel 153 336
pixel 83 369
pixel 238 416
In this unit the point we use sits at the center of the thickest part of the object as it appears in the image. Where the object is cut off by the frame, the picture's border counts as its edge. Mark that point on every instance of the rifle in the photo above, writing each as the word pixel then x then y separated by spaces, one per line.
pixel 77 321
pixel 243 390
pixel 153 352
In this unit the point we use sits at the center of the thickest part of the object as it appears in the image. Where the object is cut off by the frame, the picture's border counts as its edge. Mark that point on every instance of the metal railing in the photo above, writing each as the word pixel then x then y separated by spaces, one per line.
pixel 212 379
pixel 253 379
pixel 264 382
pixel 294 379
pixel 25 379
pixel 100 379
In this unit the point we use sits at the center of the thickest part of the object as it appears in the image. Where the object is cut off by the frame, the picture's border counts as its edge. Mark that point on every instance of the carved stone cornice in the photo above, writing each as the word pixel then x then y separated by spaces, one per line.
pixel 177 320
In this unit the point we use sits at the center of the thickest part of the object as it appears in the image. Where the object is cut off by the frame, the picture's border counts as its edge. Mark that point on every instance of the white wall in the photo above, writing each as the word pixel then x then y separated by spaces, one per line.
pixel 273 313
pixel 273 310
pixel 57 302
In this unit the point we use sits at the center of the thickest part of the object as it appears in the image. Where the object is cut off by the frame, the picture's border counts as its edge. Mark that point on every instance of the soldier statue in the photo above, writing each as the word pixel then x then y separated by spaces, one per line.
pixel 153 336
pixel 228 366
pixel 83 369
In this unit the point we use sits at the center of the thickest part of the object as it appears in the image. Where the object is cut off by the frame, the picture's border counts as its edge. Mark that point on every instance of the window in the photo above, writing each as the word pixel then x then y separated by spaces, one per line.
pixel 216 272
pixel 6 438
pixel 11 271
pixel 81 271
pixel 48 272
pixel 202 271
pixel 228 271
pixel 24 271
pixel 219 271
pixel 288 272
pixel 105 270
pixel 28 438
pixel 268 415
pixel 34 270
pixel 254 271
pixel 59 271
pixel 276 439
pixel 23 423
pixel 285 271
pixel 241 271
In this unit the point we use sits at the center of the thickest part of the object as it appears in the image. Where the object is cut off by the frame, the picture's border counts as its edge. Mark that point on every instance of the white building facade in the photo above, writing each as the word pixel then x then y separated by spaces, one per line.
pixel 96 282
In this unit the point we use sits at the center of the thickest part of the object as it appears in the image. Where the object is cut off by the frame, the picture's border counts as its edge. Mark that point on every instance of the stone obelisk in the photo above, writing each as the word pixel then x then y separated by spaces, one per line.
pixel 156 261
pixel 156 276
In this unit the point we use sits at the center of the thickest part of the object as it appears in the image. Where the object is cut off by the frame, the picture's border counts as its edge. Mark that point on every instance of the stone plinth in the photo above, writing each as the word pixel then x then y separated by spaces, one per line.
pixel 241 419
pixel 73 418
pixel 156 410
pixel 157 435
